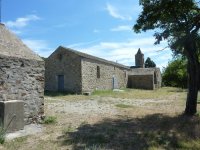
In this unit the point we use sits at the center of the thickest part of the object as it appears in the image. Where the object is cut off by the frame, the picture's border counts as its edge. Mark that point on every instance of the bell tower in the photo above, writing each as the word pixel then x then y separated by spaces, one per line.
pixel 139 59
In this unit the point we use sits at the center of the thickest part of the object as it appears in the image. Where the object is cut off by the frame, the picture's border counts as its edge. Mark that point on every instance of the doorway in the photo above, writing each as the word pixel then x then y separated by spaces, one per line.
pixel 61 83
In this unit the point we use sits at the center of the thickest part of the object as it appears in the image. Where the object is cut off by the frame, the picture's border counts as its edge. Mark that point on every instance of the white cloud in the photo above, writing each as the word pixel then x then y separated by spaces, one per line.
pixel 114 12
pixel 41 47
pixel 124 52
pixel 22 21
pixel 122 28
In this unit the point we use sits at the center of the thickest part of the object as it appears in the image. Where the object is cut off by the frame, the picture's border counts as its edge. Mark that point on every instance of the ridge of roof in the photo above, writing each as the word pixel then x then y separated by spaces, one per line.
pixel 94 57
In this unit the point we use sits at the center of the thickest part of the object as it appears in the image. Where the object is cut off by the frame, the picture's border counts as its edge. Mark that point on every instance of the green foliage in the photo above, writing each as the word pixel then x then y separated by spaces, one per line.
pixel 123 106
pixel 180 27
pixel 174 25
pixel 175 74
pixel 102 92
pixel 2 135
pixel 49 120
pixel 149 63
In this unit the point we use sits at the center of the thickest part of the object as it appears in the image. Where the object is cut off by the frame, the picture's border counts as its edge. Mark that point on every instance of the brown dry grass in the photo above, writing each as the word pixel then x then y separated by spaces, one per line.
pixel 138 119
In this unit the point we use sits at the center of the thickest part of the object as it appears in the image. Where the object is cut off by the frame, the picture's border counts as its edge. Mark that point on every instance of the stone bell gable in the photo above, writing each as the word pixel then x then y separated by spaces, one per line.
pixel 139 59
pixel 21 82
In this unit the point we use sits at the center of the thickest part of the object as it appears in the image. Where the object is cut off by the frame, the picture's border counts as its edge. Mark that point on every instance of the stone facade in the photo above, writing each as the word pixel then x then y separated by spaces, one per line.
pixel 73 71
pixel 141 81
pixel 107 74
pixel 79 71
pixel 145 78
pixel 65 63
pixel 22 79
pixel 21 76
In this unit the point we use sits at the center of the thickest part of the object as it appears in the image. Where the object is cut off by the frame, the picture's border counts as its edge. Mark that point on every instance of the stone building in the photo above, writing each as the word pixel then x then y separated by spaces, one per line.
pixel 21 82
pixel 76 72
pixel 143 78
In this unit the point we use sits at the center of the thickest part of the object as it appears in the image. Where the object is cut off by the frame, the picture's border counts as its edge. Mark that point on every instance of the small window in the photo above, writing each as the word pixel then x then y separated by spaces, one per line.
pixel 98 72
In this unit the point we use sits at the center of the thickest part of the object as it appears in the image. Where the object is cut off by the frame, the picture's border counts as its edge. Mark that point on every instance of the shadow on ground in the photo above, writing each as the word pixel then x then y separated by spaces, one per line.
pixel 55 94
pixel 150 132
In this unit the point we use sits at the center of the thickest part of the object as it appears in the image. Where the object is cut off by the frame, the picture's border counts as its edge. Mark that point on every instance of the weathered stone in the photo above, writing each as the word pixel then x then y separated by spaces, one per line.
pixel 141 81
pixel 12 115
pixel 19 68
pixel 78 72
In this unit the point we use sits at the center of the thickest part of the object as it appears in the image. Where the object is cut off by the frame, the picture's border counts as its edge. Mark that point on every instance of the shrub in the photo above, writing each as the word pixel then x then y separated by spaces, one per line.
pixel 2 135
pixel 49 120
pixel 175 74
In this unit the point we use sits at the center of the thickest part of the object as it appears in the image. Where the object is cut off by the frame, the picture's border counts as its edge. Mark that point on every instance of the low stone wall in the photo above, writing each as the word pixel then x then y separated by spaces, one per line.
pixel 141 81
pixel 148 71
pixel 22 79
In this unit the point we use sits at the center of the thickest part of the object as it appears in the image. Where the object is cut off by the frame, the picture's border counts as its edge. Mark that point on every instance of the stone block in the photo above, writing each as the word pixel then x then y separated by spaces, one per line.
pixel 12 115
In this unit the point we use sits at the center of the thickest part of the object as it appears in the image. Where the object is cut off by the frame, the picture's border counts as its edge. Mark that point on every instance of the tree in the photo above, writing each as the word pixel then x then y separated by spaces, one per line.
pixel 175 74
pixel 178 22
pixel 149 63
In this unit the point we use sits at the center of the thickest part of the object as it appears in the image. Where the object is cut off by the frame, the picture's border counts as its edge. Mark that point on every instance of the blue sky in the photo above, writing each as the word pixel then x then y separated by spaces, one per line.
pixel 102 28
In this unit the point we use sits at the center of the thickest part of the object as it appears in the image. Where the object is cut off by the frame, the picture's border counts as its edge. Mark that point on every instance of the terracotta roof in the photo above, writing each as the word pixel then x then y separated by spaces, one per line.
pixel 84 55
pixel 11 45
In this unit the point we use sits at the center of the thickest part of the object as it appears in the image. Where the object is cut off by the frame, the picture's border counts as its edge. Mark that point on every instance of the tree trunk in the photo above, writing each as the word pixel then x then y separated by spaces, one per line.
pixel 193 78
pixel 193 86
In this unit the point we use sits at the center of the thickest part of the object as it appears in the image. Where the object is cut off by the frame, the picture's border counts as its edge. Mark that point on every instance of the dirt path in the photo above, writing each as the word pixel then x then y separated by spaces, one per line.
pixel 97 108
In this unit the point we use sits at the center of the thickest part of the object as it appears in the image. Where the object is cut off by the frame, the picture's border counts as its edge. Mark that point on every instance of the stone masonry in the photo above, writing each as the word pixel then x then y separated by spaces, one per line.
pixel 80 72
pixel 107 73
pixel 21 76
pixel 66 63
pixel 83 73
pixel 22 79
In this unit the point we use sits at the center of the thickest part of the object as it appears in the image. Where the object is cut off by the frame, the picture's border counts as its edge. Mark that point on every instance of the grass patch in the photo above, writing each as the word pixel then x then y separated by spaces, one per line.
pixel 49 120
pixel 162 93
pixel 2 135
pixel 68 129
pixel 152 132
pixel 95 147
pixel 103 92
pixel 15 144
pixel 123 106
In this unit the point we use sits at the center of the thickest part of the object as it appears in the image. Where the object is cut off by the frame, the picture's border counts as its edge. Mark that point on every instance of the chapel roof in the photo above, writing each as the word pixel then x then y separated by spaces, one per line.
pixel 84 55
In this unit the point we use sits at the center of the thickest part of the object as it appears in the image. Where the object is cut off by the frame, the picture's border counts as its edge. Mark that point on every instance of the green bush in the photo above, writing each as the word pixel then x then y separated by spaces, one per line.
pixel 49 120
pixel 2 135
pixel 175 74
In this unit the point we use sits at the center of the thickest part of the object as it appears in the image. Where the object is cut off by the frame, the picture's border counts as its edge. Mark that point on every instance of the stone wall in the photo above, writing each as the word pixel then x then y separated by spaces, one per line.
pixel 148 71
pixel 22 79
pixel 141 81
pixel 91 82
pixel 158 75
pixel 63 62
